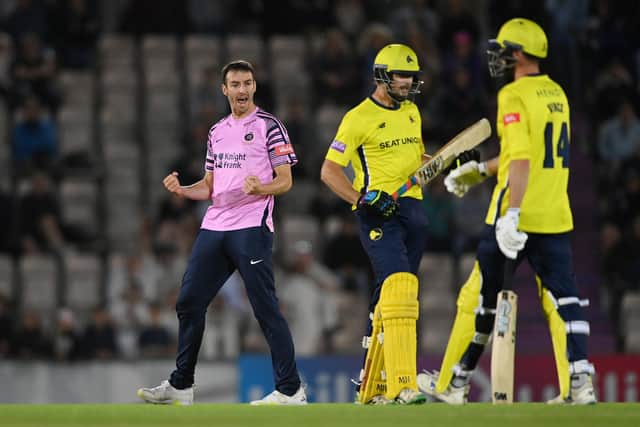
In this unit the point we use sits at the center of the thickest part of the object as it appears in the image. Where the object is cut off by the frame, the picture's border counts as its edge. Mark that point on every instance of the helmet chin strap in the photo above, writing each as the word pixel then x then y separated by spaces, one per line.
pixel 397 98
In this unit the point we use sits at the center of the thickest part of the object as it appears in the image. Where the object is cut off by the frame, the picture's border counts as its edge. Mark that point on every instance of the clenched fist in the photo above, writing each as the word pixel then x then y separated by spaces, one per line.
pixel 252 185
pixel 172 184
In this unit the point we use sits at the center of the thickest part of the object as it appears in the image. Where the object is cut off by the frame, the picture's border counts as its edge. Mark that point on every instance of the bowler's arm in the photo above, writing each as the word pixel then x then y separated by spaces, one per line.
pixel 282 182
pixel 200 190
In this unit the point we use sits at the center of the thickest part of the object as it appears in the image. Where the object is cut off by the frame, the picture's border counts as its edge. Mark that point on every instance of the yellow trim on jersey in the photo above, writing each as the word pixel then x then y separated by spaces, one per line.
pixel 384 146
pixel 533 123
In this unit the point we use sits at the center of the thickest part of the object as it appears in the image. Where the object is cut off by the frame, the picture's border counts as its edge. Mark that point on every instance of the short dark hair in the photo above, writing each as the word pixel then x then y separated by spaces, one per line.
pixel 239 65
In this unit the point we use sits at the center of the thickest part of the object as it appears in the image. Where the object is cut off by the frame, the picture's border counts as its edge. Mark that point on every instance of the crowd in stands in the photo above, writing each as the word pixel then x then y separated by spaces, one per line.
pixel 324 278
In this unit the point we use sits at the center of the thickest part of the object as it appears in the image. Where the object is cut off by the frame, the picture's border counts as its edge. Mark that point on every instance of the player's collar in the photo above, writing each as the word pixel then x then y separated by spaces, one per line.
pixel 395 107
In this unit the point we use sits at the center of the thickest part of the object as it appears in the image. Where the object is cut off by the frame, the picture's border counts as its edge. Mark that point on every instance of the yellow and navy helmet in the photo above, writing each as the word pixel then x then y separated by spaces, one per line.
pixel 516 34
pixel 397 59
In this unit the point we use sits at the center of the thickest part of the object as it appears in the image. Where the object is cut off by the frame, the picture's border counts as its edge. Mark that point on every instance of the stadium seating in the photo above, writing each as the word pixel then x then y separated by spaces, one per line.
pixel 6 276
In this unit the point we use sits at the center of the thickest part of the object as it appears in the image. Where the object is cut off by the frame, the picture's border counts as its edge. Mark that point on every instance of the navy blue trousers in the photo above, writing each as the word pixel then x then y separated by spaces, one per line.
pixel 214 257
pixel 551 259
pixel 393 246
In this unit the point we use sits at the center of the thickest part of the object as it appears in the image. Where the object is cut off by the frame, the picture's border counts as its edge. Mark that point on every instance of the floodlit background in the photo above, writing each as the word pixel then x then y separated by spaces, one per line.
pixel 99 100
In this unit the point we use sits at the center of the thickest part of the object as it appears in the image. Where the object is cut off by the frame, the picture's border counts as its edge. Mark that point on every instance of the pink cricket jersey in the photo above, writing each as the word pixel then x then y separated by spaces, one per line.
pixel 253 145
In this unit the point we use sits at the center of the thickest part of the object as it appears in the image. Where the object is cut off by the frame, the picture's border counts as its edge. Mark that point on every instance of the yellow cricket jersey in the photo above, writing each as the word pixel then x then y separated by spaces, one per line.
pixel 533 123
pixel 383 144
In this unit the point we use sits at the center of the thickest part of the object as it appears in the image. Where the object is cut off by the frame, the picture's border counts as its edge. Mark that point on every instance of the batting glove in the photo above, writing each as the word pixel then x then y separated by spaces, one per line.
pixel 378 203
pixel 509 239
pixel 464 157
pixel 461 179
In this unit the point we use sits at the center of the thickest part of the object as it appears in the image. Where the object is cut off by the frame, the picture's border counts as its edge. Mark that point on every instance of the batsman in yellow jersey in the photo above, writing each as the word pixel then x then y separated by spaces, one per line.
pixel 529 217
pixel 382 139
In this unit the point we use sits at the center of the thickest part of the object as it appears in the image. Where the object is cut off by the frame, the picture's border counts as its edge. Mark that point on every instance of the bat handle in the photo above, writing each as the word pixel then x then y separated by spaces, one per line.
pixel 509 269
pixel 407 185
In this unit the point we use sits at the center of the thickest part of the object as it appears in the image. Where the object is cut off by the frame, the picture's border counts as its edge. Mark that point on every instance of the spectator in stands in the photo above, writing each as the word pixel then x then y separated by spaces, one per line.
pixel 130 312
pixel 463 56
pixel 34 138
pixel 6 327
pixel 33 73
pixel 75 30
pixel 373 38
pixel 457 18
pixel 131 309
pixel 67 345
pixel 6 58
pixel 419 14
pixel 152 16
pixel 205 102
pixel 350 16
pixel 619 137
pixel 310 293
pixel 29 16
pixel 154 339
pixel 439 208
pixel 461 103
pixel 613 84
pixel 298 126
pixel 30 340
pixel 344 255
pixel 335 71
pixel 99 339
pixel 621 267
pixel 8 232
pixel 40 228
pixel 211 16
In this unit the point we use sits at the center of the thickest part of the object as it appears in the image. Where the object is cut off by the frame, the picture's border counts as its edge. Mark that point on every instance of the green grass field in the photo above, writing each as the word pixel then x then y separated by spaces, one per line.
pixel 333 415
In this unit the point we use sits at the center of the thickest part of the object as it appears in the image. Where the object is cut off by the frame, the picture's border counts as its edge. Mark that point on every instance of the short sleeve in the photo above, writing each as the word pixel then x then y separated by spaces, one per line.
pixel 346 141
pixel 278 144
pixel 210 159
pixel 513 119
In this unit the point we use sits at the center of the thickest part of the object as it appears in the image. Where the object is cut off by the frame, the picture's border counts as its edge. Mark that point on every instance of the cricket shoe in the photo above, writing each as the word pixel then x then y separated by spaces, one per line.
pixel 582 395
pixel 378 399
pixel 409 396
pixel 166 394
pixel 452 395
pixel 277 398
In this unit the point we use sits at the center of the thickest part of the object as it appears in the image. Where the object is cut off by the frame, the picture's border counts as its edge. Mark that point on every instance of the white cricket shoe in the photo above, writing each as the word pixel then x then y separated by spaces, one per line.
pixel 558 400
pixel 583 395
pixel 277 398
pixel 166 394
pixel 452 395
pixel 380 399
pixel 409 396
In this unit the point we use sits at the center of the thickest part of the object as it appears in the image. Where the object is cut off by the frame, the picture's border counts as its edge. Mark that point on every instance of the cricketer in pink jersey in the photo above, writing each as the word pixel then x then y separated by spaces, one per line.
pixel 249 159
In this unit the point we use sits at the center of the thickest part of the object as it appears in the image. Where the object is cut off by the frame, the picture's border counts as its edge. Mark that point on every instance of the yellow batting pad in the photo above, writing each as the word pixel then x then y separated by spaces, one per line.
pixel 373 381
pixel 558 332
pixel 399 310
pixel 464 327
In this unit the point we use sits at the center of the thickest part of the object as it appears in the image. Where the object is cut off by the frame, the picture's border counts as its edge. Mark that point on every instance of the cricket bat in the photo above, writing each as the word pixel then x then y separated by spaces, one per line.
pixel 504 340
pixel 469 138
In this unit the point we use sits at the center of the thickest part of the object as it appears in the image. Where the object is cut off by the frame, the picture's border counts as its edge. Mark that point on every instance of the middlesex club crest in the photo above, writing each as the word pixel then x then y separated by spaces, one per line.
pixel 248 137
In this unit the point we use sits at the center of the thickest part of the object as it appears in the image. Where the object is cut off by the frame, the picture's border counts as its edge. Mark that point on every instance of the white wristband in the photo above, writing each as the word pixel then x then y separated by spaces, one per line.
pixel 482 168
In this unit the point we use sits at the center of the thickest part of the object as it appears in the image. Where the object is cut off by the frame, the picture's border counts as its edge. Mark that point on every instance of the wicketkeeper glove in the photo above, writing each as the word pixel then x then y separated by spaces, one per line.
pixel 461 179
pixel 378 203
pixel 510 240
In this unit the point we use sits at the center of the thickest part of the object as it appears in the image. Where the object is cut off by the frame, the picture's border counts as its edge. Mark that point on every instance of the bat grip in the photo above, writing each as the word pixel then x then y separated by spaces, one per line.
pixel 403 189
pixel 509 269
